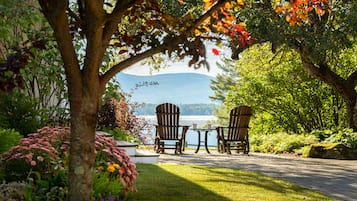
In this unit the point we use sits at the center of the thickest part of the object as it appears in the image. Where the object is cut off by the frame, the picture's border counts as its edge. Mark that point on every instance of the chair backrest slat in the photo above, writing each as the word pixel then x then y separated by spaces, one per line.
pixel 239 122
pixel 168 116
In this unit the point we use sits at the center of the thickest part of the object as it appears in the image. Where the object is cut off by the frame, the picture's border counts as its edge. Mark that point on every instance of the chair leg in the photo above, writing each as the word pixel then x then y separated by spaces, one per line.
pixel 218 145
pixel 178 147
pixel 162 147
pixel 246 151
pixel 157 146
pixel 229 148
pixel 183 144
pixel 221 148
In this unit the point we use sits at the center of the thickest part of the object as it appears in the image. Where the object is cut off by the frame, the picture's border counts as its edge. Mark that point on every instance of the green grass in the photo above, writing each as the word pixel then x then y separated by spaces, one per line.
pixel 169 182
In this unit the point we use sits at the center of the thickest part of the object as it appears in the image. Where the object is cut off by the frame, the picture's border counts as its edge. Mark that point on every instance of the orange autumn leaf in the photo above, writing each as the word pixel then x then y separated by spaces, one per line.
pixel 208 4
pixel 227 5
pixel 297 11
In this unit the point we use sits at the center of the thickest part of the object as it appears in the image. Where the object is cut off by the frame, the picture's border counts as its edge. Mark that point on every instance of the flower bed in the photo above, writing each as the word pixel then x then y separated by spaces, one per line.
pixel 41 160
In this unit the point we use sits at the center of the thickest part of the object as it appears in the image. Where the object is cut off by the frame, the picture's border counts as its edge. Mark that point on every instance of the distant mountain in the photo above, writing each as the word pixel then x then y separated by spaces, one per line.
pixel 180 88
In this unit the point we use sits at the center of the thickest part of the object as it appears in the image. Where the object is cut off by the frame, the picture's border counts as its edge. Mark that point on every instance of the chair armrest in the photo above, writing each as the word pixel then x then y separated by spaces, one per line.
pixel 184 129
pixel 220 131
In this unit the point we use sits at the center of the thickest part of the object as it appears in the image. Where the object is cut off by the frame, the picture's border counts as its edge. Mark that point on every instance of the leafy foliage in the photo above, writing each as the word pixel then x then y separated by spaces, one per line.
pixel 102 190
pixel 284 97
pixel 18 38
pixel 30 61
pixel 118 116
pixel 19 112
pixel 223 81
pixel 273 142
pixel 281 142
pixel 346 137
pixel 42 160
pixel 8 139
pixel 319 31
pixel 119 134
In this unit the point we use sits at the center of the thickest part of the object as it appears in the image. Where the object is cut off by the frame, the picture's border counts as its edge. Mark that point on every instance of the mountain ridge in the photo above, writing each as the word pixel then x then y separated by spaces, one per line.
pixel 177 88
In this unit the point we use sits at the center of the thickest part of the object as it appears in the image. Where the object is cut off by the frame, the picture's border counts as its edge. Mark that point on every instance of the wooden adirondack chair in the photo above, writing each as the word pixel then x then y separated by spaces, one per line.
pixel 169 129
pixel 235 136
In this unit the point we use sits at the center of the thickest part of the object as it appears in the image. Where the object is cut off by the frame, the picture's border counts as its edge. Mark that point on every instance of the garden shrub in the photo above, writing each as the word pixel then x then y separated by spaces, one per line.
pixel 19 112
pixel 8 139
pixel 280 142
pixel 322 134
pixel 119 134
pixel 119 116
pixel 42 160
pixel 101 189
pixel 345 136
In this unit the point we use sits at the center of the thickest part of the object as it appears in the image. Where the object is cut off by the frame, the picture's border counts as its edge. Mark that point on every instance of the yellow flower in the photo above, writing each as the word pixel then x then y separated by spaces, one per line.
pixel 100 168
pixel 111 168
pixel 116 166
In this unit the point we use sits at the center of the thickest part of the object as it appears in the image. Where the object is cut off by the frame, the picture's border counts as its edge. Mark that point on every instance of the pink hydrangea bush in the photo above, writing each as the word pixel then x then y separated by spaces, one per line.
pixel 47 151
pixel 42 152
pixel 114 160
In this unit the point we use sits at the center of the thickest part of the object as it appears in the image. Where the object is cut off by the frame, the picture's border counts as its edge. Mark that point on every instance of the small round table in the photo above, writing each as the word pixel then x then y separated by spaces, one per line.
pixel 206 131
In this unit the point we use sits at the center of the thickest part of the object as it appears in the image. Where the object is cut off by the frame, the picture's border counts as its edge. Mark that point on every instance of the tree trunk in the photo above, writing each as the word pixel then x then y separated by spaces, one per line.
pixel 344 87
pixel 351 112
pixel 81 161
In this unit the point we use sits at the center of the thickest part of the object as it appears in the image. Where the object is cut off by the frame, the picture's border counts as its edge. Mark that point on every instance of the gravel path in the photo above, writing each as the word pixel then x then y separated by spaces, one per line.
pixel 335 178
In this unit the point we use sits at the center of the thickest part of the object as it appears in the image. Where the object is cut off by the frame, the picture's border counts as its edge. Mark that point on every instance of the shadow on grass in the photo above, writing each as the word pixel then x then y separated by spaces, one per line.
pixel 157 184
pixel 256 186
pixel 201 183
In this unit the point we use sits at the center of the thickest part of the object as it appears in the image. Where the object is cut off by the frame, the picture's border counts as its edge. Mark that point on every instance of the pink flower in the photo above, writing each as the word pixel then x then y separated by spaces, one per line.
pixel 40 158
pixel 33 163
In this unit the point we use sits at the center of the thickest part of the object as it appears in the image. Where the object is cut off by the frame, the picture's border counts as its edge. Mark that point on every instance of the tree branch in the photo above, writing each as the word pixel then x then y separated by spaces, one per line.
pixel 112 20
pixel 55 12
pixel 207 14
pixel 322 72
pixel 170 42
pixel 128 62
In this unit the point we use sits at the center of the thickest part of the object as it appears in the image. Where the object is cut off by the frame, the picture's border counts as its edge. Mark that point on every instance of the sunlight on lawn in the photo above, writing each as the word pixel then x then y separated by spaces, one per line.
pixel 182 182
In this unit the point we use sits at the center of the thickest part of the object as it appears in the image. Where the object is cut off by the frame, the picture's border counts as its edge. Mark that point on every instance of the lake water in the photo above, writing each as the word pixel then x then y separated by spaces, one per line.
pixel 191 135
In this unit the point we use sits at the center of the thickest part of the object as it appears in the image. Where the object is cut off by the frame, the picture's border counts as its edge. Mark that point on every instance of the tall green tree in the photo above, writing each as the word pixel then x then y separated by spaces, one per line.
pixel 223 81
pixel 318 37
pixel 284 96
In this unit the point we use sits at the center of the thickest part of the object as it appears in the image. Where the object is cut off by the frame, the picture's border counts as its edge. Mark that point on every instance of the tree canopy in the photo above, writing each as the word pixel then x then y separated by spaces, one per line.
pixel 318 31
pixel 284 97
pixel 135 30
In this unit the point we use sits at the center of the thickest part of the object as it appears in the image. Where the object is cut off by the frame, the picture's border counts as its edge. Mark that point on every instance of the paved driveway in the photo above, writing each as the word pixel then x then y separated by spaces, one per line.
pixel 335 178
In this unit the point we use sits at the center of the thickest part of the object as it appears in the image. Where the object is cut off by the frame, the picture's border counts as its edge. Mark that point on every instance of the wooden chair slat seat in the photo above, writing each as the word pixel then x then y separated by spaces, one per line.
pixel 235 135
pixel 169 129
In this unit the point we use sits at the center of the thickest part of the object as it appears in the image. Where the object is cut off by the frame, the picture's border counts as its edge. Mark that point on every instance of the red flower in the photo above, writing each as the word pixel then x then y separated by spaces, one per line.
pixel 215 51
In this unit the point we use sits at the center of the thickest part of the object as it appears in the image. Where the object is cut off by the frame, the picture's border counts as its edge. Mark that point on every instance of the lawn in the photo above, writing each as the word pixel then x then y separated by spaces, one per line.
pixel 169 182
